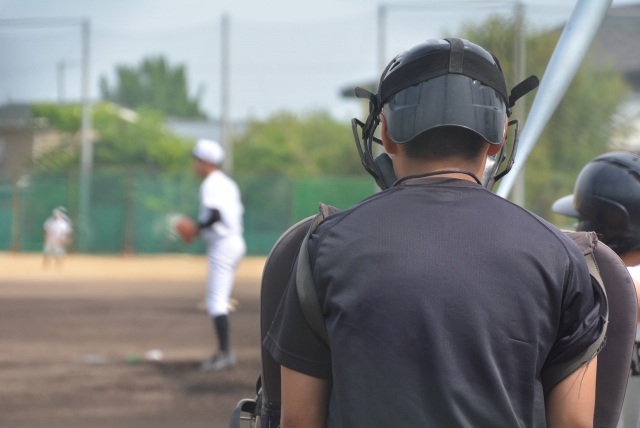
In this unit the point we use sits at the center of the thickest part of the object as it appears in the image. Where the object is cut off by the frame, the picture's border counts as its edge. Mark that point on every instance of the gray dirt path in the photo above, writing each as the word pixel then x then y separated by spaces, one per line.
pixel 63 358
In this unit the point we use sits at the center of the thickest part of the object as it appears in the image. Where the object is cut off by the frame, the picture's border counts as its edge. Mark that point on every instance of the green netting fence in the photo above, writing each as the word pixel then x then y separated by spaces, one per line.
pixel 130 210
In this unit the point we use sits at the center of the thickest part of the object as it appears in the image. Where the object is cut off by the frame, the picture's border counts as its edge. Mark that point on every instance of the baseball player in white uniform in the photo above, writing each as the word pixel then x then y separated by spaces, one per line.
pixel 220 225
pixel 57 235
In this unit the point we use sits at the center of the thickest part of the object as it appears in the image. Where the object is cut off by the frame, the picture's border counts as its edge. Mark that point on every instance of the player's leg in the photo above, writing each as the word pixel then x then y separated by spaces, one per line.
pixel 59 253
pixel 46 253
pixel 223 260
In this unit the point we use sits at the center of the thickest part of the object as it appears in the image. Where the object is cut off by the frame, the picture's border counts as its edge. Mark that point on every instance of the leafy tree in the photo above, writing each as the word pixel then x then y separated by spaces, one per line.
pixel 580 128
pixel 136 139
pixel 66 118
pixel 154 84
pixel 299 146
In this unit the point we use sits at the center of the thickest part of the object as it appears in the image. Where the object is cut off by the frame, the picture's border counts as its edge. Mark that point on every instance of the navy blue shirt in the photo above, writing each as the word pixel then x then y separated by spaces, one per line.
pixel 443 303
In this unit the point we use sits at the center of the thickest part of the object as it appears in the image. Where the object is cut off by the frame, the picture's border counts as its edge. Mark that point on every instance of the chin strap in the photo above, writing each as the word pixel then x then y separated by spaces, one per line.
pixel 434 173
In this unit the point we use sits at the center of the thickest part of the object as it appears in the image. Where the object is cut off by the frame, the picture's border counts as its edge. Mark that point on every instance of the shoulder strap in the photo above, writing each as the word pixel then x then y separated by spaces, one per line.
pixel 304 280
pixel 553 375
pixel 587 242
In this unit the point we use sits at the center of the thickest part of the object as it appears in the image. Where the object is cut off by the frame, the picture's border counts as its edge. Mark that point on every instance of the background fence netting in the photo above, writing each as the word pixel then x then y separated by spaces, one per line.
pixel 130 210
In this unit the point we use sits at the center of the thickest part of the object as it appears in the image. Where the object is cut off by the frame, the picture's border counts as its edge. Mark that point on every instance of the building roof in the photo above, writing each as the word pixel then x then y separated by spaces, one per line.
pixel 617 41
pixel 15 115
pixel 195 128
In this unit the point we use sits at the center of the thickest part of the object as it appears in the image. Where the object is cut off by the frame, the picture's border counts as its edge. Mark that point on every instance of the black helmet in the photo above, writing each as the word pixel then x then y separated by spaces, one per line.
pixel 606 199
pixel 449 82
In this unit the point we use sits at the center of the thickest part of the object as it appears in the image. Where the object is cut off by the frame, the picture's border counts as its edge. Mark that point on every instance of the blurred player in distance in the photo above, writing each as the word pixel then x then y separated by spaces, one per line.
pixel 606 200
pixel 57 235
pixel 220 226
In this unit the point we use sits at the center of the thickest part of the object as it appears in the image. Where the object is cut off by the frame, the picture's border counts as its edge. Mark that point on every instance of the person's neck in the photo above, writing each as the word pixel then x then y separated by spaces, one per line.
pixel 212 170
pixel 405 167
pixel 632 258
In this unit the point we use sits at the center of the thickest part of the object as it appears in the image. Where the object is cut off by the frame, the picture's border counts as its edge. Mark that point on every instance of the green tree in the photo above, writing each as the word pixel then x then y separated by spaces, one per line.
pixel 299 146
pixel 121 138
pixel 154 84
pixel 580 128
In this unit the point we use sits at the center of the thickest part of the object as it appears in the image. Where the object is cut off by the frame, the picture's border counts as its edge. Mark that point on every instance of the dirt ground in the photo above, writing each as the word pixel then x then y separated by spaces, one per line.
pixel 71 338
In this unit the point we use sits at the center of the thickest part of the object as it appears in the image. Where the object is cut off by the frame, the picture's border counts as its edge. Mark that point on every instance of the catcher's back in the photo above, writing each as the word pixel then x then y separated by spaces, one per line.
pixel 613 361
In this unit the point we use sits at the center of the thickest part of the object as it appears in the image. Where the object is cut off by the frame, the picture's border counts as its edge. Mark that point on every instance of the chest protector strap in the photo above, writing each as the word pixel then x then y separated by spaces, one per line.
pixel 551 376
pixel 304 280
pixel 306 288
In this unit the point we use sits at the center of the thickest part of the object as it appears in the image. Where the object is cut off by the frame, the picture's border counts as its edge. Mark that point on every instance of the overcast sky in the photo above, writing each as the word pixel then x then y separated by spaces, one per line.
pixel 285 54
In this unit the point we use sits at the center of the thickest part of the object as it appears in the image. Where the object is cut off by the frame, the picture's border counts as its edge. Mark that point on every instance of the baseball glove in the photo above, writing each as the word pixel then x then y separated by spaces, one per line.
pixel 186 228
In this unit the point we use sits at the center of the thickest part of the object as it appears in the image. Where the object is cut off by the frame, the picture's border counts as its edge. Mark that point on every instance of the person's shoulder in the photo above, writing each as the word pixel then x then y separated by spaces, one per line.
pixel 222 180
pixel 530 222
pixel 213 182
pixel 337 218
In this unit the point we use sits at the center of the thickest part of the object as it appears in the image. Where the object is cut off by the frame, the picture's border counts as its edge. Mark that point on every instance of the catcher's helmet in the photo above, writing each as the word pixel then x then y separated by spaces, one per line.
pixel 606 199
pixel 446 100
pixel 437 83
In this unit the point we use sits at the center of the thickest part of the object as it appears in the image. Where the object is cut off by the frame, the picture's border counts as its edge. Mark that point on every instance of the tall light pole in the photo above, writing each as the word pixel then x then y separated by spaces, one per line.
pixel 61 79
pixel 225 128
pixel 60 75
pixel 382 63
pixel 519 74
pixel 86 160
pixel 382 38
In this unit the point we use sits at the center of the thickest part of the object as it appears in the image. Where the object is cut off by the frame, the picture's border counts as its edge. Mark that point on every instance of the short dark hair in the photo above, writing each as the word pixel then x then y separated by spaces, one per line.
pixel 445 142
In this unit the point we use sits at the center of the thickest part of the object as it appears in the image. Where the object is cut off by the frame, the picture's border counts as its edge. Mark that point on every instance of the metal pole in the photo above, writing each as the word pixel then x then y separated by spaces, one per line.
pixel 225 129
pixel 382 37
pixel 86 161
pixel 61 81
pixel 519 74
pixel 382 63
pixel 16 213
pixel 571 49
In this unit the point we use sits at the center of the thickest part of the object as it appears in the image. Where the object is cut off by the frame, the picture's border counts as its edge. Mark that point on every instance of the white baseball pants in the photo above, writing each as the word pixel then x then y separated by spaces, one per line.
pixel 223 256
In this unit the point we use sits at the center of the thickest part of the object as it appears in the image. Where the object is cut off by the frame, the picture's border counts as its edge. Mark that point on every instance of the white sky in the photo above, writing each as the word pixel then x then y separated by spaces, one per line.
pixel 285 54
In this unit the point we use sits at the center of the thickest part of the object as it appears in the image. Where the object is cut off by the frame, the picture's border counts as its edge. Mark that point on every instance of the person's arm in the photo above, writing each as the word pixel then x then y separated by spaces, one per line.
pixel 637 284
pixel 305 400
pixel 571 403
pixel 212 216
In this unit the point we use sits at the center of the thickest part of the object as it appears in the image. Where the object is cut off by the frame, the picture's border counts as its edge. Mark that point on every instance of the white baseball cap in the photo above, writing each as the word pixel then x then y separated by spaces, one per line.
pixel 209 151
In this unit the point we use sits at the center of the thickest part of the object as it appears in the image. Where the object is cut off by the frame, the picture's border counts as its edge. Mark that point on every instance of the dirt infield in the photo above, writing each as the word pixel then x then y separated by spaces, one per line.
pixel 71 338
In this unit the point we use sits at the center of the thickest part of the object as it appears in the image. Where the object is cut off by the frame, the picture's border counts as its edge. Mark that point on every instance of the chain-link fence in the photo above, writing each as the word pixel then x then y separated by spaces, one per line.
pixel 131 210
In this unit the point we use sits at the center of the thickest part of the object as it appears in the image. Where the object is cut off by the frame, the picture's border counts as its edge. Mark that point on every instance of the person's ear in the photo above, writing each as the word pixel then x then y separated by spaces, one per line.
pixel 387 142
pixel 494 148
